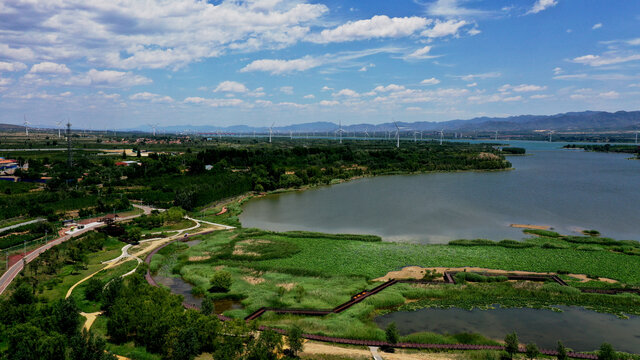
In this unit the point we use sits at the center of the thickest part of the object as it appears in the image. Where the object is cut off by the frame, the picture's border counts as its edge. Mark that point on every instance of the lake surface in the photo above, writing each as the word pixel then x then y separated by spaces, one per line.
pixel 568 190
pixel 577 328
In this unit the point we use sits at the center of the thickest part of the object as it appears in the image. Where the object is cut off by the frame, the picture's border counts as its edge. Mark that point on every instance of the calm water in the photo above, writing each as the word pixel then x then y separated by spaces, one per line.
pixel 566 189
pixel 579 329
pixel 181 287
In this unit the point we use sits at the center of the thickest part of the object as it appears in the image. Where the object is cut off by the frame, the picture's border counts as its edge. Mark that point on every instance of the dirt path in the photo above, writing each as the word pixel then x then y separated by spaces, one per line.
pixel 91 318
pixel 318 348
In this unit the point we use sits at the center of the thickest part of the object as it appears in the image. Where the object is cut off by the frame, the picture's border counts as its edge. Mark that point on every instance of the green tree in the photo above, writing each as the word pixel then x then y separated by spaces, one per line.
pixel 266 347
pixel 221 281
pixel 511 344
pixel 66 319
pixel 93 289
pixel 392 334
pixel 606 352
pixel 532 351
pixel 208 306
pixel 86 346
pixel 298 292
pixel 124 154
pixel 562 351
pixel 138 153
pixel 295 340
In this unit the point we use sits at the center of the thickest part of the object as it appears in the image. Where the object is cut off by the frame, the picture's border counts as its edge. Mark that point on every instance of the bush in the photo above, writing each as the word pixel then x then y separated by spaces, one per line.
pixel 221 281
pixel 544 233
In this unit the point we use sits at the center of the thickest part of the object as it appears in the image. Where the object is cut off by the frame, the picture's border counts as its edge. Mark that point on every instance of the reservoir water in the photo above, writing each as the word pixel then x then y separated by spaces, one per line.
pixel 568 190
pixel 577 328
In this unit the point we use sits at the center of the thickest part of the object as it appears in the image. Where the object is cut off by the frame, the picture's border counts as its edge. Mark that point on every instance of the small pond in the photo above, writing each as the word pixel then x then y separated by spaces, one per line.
pixel 181 287
pixel 577 328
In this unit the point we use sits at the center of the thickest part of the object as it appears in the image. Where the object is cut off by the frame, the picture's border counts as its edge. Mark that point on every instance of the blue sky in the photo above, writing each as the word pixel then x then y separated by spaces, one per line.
pixel 125 63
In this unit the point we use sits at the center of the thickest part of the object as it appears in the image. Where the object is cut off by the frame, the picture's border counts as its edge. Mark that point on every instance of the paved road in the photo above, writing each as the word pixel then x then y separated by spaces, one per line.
pixel 374 353
pixel 13 271
pixel 21 224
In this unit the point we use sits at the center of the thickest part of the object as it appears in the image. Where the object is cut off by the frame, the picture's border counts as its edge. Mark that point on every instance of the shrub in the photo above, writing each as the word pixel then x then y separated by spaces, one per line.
pixel 221 281
pixel 93 290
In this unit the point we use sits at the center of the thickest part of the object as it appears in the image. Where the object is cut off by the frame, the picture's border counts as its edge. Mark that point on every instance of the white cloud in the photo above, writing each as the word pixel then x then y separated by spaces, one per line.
pixel 414 108
pixel 609 95
pixel 541 5
pixel 539 96
pixel 472 77
pixel 379 26
pixel 49 68
pixel 5 81
pixel 473 32
pixel 512 98
pixel 276 66
pixel 367 67
pixel 557 71
pixel 430 81
pixel 116 78
pixel 309 96
pixel 451 8
pixel 421 53
pixel 214 102
pixel 328 103
pixel 472 84
pixel 12 66
pixel 150 34
pixel 326 88
pixel 287 90
pixel 346 93
pixel 22 53
pixel 596 26
pixel 597 60
pixel 231 86
pixel 521 88
pixel 147 96
pixel 444 28
pixel 389 88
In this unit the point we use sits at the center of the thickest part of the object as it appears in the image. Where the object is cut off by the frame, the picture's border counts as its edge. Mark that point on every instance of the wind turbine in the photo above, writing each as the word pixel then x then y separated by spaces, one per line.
pixel 366 133
pixel 496 135
pixel 397 135
pixel 637 137
pixel 154 127
pixel 415 136
pixel 59 124
pixel 290 135
pixel 340 131
pixel 550 133
pixel 271 131
pixel 441 135
pixel 26 126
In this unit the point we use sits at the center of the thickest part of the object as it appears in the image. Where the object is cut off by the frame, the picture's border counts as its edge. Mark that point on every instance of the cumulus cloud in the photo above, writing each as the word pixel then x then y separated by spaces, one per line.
pixel 541 5
pixel 379 26
pixel 309 96
pixel 596 26
pixel 150 34
pixel 609 95
pixel 49 68
pixel 597 60
pixel 430 81
pixel 11 66
pixel 277 66
pixel 346 93
pixel 388 88
pixel 231 86
pixel 329 102
pixel 147 96
pixel 444 28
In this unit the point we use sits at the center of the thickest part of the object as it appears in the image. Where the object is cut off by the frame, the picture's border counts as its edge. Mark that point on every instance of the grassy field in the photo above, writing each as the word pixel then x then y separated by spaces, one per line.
pixel 321 271
pixel 325 257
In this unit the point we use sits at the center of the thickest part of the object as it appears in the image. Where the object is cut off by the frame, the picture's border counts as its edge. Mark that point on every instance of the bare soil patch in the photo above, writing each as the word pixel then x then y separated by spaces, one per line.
pixel 529 226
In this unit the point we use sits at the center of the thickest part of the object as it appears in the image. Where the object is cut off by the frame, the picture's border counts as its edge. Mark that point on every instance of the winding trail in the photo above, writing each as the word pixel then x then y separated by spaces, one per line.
pixel 125 256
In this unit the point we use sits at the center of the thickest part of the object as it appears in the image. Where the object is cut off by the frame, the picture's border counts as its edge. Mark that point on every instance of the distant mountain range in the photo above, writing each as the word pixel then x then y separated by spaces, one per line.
pixel 571 121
